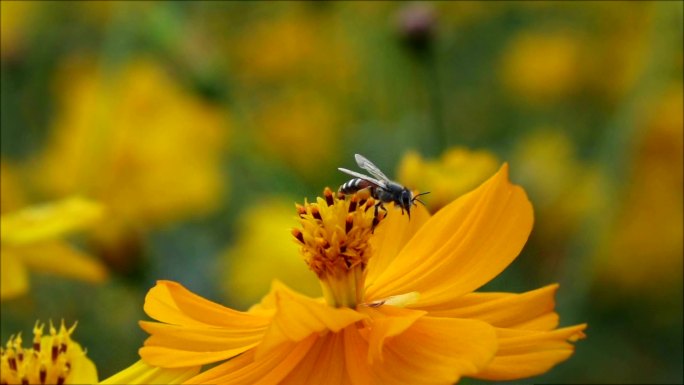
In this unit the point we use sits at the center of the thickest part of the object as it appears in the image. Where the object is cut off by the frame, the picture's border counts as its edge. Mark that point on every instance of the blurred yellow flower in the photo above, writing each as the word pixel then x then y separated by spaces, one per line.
pixel 398 304
pixel 264 250
pixel 30 238
pixel 297 69
pixel 617 56
pixel 11 192
pixel 15 20
pixel 135 140
pixel 299 45
pixel 458 171
pixel 292 121
pixel 52 359
pixel 464 13
pixel 644 248
pixel 563 188
pixel 542 67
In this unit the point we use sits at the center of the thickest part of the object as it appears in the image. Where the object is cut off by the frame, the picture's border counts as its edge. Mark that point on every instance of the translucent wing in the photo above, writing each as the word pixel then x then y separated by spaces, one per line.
pixel 371 168
pixel 364 177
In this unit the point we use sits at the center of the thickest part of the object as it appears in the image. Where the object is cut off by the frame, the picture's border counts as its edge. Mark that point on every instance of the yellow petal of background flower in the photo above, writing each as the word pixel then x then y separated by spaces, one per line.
pixel 298 316
pixel 60 258
pixel 198 331
pixel 390 236
pixel 48 221
pixel 526 353
pixel 531 310
pixel 83 371
pixel 462 246
pixel 12 196
pixel 142 373
pixel 14 276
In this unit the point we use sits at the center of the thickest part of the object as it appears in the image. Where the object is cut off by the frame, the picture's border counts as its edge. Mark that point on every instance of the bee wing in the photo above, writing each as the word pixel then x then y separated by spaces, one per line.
pixel 371 168
pixel 361 176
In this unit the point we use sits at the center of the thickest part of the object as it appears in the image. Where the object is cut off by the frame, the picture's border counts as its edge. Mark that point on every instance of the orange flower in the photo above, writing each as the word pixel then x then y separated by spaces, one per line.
pixel 399 306
pixel 142 373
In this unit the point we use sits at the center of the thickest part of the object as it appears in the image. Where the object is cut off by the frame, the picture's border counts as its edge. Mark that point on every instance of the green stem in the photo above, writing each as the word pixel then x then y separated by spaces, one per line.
pixel 432 86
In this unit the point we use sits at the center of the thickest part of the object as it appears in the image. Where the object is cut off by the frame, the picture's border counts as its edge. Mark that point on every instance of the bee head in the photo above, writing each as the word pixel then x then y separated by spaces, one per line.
pixel 406 200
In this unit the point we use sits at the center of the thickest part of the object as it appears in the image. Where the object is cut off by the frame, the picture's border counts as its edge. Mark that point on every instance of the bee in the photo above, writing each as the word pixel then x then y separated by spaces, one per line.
pixel 381 187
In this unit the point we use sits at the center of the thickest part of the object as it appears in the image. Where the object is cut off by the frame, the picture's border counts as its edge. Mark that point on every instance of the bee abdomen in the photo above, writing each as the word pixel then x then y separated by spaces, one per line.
pixel 354 185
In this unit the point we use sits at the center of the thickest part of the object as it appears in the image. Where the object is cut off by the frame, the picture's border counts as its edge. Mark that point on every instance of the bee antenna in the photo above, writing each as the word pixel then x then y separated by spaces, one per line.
pixel 415 198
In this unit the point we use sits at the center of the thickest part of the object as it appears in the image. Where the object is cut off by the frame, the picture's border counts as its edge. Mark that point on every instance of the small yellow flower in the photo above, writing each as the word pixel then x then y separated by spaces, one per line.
pixel 458 171
pixel 52 359
pixel 31 238
pixel 398 306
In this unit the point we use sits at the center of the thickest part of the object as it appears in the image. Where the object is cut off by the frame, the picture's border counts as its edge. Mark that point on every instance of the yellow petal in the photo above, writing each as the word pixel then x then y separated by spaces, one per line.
pixel 198 331
pixel 173 346
pixel 462 246
pixel 323 364
pixel 432 351
pixel 142 373
pixel 60 258
pixel 356 359
pixel 388 321
pixel 39 223
pixel 531 310
pixel 172 303
pixel 83 371
pixel 269 370
pixel 14 276
pixel 390 236
pixel 267 304
pixel 526 353
pixel 298 316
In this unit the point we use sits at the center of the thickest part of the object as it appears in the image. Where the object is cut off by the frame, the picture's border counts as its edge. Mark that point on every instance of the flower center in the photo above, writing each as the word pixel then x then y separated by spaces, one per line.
pixel 335 237
pixel 49 361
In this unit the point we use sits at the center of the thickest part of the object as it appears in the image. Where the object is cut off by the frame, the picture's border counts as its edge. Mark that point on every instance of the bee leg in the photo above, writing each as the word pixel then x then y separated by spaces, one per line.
pixel 375 217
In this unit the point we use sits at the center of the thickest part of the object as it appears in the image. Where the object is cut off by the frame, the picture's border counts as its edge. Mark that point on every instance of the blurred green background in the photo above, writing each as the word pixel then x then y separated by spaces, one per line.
pixel 199 124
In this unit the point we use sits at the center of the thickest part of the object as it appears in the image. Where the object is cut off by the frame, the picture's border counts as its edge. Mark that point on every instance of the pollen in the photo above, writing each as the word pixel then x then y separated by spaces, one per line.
pixel 48 361
pixel 335 241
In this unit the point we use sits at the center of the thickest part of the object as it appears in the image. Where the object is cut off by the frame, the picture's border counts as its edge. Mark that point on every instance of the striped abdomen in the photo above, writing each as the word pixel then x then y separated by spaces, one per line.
pixel 354 185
